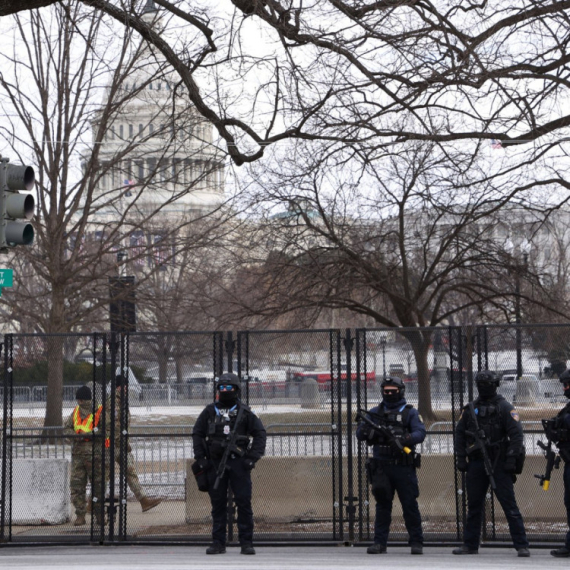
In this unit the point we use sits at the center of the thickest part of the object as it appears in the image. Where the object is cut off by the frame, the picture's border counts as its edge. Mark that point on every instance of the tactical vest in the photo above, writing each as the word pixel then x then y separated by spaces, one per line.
pixel 220 429
pixel 396 420
pixel 489 420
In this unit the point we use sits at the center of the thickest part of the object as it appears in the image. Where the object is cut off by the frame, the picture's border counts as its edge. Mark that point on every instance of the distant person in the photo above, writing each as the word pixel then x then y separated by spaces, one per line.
pixel 133 482
pixel 392 468
pixel 228 431
pixel 559 433
pixel 490 426
pixel 85 465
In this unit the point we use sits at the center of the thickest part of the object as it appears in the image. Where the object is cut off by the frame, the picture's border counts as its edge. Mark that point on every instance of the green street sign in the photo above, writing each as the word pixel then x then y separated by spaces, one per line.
pixel 6 278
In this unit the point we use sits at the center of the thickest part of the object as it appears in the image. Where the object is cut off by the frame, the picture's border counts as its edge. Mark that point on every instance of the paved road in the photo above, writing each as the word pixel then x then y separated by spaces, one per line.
pixel 267 558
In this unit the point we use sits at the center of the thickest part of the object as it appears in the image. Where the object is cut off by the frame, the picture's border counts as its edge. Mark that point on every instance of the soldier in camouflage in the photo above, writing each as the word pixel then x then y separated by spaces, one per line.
pixel 84 466
pixel 133 482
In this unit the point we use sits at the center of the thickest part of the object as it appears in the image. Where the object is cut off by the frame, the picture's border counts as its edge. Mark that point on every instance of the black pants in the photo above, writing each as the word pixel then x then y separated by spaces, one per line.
pixel 567 500
pixel 477 486
pixel 239 479
pixel 404 481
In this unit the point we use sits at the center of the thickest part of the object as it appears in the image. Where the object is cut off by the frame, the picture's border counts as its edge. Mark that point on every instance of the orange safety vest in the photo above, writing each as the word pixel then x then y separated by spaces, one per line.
pixel 86 425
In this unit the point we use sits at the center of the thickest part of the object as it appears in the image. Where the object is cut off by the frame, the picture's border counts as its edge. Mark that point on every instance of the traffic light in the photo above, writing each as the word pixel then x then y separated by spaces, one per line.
pixel 15 206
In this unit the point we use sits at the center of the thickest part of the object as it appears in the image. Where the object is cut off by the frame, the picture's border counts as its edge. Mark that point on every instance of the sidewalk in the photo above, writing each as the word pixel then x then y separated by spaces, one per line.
pixel 267 558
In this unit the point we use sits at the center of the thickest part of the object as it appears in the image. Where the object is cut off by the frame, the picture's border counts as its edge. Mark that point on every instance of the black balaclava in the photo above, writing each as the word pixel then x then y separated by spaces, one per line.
pixel 487 390
pixel 392 398
pixel 228 399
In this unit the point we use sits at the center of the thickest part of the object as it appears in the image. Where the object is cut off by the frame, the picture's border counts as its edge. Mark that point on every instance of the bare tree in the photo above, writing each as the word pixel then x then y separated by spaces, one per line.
pixel 408 239
pixel 381 73
pixel 68 83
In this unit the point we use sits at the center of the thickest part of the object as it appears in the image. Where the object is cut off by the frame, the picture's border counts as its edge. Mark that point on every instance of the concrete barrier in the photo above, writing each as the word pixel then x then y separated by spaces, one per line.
pixel 40 491
pixel 289 489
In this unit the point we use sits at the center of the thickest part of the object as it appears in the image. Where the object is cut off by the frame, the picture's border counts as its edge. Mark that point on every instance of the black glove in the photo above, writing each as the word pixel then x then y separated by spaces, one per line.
pixel 462 464
pixel 396 445
pixel 565 454
pixel 510 465
pixel 364 432
pixel 204 463
pixel 249 464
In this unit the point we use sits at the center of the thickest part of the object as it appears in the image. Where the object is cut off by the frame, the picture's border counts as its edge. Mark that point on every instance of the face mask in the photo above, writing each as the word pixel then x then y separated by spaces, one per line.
pixel 487 390
pixel 228 398
pixel 392 397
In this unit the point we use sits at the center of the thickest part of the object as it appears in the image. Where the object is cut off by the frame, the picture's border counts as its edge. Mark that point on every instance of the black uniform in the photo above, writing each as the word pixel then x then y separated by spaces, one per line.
pixel 210 437
pixel 505 446
pixel 391 470
pixel 560 434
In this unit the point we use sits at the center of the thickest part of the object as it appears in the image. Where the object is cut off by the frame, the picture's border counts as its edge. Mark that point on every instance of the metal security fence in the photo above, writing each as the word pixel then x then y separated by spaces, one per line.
pixel 306 385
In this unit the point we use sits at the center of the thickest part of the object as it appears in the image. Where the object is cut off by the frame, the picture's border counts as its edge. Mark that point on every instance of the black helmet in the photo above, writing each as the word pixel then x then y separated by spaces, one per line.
pixel 394 381
pixel 121 380
pixel 230 378
pixel 83 393
pixel 487 376
pixel 565 376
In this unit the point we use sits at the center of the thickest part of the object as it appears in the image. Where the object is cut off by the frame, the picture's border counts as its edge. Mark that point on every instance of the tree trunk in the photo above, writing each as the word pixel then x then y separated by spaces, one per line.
pixel 54 403
pixel 424 386
pixel 55 346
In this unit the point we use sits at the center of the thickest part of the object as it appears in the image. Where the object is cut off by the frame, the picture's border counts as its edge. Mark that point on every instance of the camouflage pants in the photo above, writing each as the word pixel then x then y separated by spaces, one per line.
pixel 132 477
pixel 82 466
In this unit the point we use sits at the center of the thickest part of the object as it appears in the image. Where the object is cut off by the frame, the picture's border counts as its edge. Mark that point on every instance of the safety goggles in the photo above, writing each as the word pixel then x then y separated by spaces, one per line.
pixel 390 390
pixel 566 385
pixel 226 387
pixel 486 384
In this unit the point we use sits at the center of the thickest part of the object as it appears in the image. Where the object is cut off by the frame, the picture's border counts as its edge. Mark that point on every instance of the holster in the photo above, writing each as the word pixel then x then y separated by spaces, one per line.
pixel 380 485
pixel 201 475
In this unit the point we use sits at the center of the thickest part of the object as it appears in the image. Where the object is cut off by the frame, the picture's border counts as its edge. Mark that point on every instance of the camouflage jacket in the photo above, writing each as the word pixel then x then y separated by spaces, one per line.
pixel 116 417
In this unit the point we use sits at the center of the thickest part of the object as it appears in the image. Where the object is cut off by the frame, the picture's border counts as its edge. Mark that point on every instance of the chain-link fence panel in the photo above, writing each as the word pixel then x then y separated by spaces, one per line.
pixel 174 375
pixel 53 466
pixel 528 360
pixel 291 380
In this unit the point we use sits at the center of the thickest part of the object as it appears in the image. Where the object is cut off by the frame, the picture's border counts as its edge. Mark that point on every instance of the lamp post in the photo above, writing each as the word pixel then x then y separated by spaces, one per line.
pixel 520 264
pixel 383 345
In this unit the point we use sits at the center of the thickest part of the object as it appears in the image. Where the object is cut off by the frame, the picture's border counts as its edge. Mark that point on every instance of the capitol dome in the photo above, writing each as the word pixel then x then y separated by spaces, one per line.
pixel 158 152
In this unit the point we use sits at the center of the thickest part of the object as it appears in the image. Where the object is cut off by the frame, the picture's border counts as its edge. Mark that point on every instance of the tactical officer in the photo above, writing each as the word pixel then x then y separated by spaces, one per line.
pixel 489 439
pixel 84 466
pixel 392 468
pixel 560 434
pixel 227 433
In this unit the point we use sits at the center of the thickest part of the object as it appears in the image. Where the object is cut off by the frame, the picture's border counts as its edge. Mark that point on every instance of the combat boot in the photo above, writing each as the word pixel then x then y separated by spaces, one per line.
pixel 147 503
pixel 562 552
pixel 247 548
pixel 216 548
pixel 464 549
pixel 417 549
pixel 79 520
pixel 523 553
pixel 376 549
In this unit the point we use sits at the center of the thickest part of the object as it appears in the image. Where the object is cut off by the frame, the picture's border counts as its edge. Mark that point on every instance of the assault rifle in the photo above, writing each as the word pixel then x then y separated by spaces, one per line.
pixel 362 415
pixel 480 445
pixel 552 457
pixel 231 447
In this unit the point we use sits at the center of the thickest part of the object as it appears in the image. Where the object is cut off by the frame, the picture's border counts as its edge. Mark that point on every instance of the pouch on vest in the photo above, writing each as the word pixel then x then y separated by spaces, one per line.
pixel 380 485
pixel 201 475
